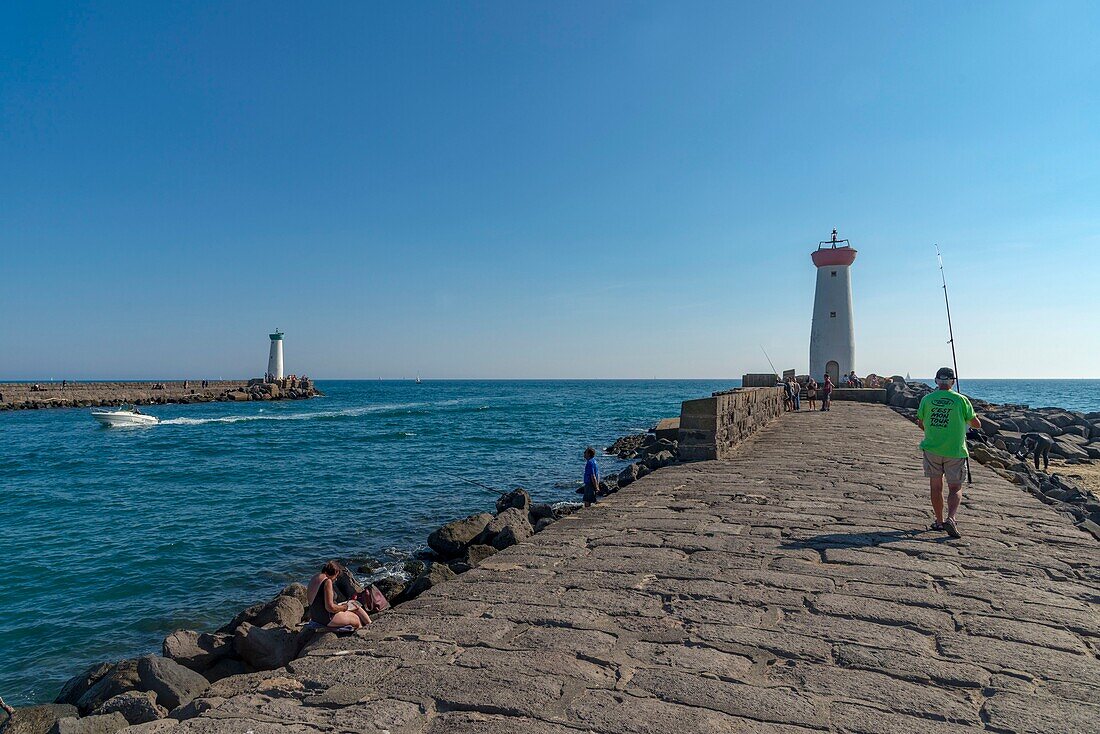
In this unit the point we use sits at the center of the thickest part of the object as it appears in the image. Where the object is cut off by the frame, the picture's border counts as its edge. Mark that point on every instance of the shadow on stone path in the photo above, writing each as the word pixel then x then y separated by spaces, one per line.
pixel 792 589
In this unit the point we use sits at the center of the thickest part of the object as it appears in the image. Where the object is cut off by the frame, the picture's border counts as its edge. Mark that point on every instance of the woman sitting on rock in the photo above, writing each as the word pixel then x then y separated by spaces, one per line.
pixel 323 608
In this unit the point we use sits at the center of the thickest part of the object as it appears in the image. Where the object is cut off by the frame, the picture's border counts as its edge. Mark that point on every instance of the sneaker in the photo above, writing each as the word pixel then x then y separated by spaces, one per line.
pixel 952 528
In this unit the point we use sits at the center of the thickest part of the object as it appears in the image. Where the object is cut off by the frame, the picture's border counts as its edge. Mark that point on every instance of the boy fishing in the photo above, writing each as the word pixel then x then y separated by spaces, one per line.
pixel 591 476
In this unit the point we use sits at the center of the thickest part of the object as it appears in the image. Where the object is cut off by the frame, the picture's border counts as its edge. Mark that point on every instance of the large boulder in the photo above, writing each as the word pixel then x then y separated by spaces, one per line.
pixel 628 475
pixel 245 615
pixel 1068 449
pixel 1073 438
pixel 507 528
pixel 198 651
pixel 298 591
pixel 79 684
pixel 539 511
pixel 1084 432
pixel 391 586
pixel 436 573
pixel 450 540
pixel 265 648
pixel 173 684
pixel 122 677
pixel 989 426
pixel 1062 419
pixel 103 724
pixel 38 719
pixel 517 498
pixel 660 459
pixel 139 707
pixel 284 610
pixel 513 534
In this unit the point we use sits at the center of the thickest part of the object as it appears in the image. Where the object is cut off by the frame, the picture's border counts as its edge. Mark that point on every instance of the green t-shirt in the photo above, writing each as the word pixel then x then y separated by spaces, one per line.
pixel 945 414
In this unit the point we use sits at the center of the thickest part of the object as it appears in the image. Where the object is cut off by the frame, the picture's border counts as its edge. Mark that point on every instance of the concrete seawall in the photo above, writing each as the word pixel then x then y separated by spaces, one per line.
pixel 711 428
pixel 22 396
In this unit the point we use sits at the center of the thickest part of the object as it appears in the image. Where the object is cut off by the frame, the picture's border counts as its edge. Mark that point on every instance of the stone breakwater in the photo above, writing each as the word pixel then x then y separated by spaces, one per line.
pixel 1075 442
pixel 29 396
pixel 794 588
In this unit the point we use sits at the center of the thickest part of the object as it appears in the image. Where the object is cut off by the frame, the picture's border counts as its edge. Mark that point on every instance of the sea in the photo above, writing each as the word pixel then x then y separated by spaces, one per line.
pixel 112 538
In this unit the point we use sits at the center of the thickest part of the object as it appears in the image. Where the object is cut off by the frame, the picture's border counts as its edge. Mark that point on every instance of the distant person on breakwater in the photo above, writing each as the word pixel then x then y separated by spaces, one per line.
pixel 591 476
pixel 796 394
pixel 827 394
pixel 943 415
pixel 323 608
pixel 788 401
pixel 1038 445
pixel 811 393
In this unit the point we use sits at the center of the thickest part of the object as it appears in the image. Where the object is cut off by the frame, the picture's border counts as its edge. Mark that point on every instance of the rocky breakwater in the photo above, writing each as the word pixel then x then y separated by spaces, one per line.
pixel 1075 441
pixel 28 396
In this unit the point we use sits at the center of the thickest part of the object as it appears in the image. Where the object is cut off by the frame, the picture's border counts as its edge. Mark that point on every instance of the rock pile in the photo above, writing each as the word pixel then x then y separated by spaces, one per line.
pixel 627 446
pixel 463 544
pixel 109 696
pixel 906 395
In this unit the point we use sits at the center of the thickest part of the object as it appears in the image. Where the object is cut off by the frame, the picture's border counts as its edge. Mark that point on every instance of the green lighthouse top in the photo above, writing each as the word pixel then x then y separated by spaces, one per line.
pixel 277 336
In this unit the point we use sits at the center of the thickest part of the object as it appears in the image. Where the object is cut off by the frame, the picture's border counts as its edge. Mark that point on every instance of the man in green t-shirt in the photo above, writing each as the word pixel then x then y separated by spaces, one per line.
pixel 944 415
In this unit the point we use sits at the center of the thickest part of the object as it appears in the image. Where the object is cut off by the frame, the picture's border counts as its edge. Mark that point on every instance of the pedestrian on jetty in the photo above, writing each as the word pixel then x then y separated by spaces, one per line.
pixel 323 608
pixel 944 415
pixel 1038 445
pixel 811 393
pixel 788 399
pixel 796 394
pixel 827 394
pixel 591 476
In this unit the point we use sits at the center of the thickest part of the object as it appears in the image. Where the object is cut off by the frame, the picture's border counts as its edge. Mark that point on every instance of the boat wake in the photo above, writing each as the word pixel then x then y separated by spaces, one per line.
pixel 315 415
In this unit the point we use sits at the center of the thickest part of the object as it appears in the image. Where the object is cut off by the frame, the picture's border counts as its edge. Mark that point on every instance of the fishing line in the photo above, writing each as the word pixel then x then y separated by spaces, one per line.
pixel 951 341
pixel 472 481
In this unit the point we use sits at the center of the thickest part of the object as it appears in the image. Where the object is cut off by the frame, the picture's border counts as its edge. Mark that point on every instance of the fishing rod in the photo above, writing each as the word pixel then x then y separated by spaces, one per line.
pixel 951 341
pixel 769 361
pixel 472 481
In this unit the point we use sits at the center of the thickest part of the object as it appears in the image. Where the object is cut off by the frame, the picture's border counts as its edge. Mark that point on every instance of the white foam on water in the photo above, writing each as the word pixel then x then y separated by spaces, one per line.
pixel 347 413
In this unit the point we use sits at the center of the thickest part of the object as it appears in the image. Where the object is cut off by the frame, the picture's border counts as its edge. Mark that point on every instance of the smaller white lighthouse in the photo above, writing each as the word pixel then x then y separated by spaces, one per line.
pixel 275 357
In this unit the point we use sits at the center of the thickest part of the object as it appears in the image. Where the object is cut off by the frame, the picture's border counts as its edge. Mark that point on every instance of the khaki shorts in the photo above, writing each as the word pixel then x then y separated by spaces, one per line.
pixel 938 466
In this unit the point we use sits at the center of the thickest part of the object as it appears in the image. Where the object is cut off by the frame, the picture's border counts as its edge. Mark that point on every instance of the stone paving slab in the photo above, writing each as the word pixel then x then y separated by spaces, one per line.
pixel 791 589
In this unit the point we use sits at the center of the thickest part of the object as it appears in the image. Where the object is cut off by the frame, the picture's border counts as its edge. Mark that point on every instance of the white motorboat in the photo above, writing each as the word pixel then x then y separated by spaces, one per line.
pixel 122 417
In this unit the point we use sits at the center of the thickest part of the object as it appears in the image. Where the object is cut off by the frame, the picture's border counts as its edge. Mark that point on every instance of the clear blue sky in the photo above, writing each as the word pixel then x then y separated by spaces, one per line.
pixel 518 189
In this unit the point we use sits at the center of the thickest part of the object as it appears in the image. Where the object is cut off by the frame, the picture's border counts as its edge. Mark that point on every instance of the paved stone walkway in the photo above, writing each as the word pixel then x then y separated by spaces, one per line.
pixel 792 589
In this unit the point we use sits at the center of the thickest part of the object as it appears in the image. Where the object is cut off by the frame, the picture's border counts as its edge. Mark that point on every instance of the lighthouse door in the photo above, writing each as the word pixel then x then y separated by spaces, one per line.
pixel 833 370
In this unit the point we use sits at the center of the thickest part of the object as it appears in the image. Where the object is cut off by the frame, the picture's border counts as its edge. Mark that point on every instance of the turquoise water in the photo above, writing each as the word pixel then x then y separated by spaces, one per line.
pixel 113 538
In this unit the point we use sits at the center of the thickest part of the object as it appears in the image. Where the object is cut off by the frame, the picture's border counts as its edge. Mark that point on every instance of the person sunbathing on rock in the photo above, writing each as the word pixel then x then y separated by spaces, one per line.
pixel 323 608
pixel 1036 444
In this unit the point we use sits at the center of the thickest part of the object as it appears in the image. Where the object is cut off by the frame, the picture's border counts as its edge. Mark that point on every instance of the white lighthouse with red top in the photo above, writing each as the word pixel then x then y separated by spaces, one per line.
pixel 832 336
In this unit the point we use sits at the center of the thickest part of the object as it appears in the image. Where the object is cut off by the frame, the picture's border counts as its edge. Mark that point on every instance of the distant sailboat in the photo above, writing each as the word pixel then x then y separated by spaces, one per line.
pixel 907 377
pixel 418 379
